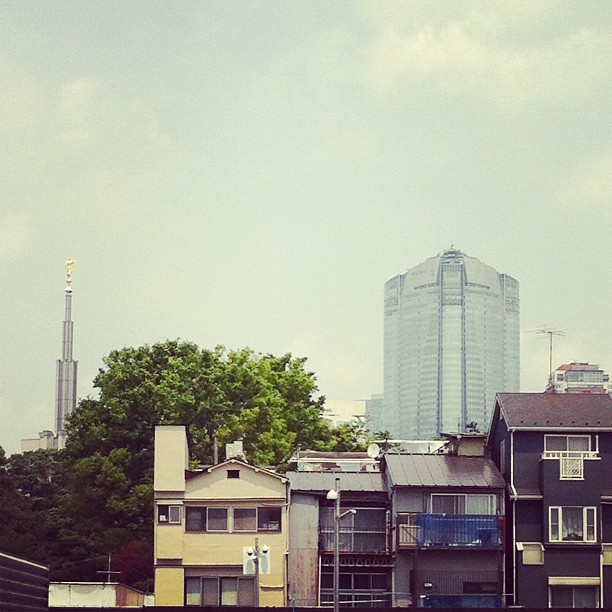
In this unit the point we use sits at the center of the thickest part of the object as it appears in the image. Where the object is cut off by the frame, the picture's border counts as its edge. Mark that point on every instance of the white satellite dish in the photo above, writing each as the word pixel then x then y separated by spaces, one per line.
pixel 373 451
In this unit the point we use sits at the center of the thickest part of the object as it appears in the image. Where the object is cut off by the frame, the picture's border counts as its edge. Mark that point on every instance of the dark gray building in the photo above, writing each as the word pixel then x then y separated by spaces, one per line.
pixel 446 516
pixel 23 585
pixel 555 454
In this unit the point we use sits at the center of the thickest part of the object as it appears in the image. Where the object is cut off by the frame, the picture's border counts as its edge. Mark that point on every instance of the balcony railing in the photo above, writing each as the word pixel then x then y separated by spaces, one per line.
pixel 362 531
pixel 424 530
pixel 364 541
pixel 572 454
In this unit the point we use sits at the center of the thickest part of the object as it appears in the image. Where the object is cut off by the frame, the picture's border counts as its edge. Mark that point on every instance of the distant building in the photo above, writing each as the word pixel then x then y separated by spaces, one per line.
pixel 580 377
pixel 338 412
pixel 66 381
pixel 451 342
pixel 374 412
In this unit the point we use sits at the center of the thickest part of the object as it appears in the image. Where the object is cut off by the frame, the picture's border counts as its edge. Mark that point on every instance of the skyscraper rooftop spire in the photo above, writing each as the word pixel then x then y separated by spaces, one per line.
pixel 66 366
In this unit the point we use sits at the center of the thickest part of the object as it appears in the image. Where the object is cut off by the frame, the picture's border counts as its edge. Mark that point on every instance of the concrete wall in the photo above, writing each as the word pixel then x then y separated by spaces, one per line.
pixel 109 595
pixel 303 554
pixel 171 458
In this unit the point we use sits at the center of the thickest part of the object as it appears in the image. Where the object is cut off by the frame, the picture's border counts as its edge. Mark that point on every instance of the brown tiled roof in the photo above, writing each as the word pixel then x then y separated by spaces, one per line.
pixel 556 410
pixel 414 470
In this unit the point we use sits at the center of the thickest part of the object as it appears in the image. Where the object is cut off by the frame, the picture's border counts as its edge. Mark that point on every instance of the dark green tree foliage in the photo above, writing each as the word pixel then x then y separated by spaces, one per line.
pixel 37 527
pixel 96 496
pixel 18 520
pixel 269 402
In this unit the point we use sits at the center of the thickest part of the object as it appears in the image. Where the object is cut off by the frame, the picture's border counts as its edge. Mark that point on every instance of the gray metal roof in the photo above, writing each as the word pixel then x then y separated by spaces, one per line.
pixel 324 481
pixel 411 470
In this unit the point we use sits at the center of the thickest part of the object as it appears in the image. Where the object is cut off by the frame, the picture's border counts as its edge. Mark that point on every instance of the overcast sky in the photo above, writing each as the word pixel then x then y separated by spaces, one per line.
pixel 251 173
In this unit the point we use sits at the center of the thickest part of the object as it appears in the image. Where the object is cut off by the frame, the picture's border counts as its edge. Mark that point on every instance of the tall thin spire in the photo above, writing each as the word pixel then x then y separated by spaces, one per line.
pixel 66 366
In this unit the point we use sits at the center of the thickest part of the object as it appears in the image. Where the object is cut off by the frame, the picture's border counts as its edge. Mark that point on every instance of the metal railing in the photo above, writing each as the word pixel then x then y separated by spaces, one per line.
pixel 353 540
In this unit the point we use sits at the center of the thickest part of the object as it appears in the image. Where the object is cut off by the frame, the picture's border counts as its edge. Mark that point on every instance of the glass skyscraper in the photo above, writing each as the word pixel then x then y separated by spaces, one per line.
pixel 451 343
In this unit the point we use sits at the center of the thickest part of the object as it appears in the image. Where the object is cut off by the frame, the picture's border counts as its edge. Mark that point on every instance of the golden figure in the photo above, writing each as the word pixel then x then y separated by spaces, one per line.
pixel 69 265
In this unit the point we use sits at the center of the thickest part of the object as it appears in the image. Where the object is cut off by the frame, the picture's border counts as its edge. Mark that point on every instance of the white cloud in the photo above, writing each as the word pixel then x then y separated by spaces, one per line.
pixel 89 112
pixel 480 53
pixel 589 185
pixel 21 99
pixel 14 235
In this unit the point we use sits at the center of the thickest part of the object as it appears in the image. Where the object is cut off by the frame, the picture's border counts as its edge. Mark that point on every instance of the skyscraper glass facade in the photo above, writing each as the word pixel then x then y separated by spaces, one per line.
pixel 451 342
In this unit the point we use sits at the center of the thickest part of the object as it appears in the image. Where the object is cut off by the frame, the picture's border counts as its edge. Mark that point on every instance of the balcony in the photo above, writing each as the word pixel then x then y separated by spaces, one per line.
pixel 365 531
pixel 423 530
pixel 353 541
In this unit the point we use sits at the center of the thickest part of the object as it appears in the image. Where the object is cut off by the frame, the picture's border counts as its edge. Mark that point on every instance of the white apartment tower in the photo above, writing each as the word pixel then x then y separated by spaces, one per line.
pixel 451 343
pixel 580 377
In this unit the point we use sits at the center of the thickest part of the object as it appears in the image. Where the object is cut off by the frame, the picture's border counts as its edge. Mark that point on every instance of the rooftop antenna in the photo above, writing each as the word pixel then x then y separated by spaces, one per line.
pixel 543 330
pixel 108 571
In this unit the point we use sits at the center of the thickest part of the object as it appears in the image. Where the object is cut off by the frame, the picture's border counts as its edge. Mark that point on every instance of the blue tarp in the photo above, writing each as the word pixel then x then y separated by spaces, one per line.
pixel 458 530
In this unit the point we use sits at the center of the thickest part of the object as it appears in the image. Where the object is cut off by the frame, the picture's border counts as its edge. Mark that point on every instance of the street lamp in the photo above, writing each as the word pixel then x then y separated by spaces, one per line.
pixel 255 554
pixel 334 495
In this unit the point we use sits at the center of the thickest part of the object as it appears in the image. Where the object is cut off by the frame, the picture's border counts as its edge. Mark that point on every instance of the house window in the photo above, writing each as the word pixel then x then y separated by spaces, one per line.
pixel 257 519
pixel 245 519
pixel 358 588
pixel 364 530
pixel 572 524
pixel 219 591
pixel 470 503
pixel 170 514
pixel 574 596
pixel 268 519
pixel 556 446
pixel 571 452
pixel 216 519
pixel 233 473
pixel 195 519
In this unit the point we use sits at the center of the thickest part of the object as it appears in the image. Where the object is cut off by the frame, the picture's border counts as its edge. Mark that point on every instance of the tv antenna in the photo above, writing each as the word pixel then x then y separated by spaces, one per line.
pixel 547 330
pixel 108 571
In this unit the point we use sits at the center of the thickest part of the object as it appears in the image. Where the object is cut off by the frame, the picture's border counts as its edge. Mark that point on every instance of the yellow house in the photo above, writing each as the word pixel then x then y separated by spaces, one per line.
pixel 220 532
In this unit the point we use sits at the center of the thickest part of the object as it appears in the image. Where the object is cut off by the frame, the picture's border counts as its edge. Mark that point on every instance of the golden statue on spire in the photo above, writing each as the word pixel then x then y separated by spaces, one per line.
pixel 69 264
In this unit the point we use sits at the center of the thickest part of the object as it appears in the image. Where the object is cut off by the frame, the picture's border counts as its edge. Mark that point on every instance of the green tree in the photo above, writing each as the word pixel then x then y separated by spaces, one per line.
pixel 269 402
pixel 17 527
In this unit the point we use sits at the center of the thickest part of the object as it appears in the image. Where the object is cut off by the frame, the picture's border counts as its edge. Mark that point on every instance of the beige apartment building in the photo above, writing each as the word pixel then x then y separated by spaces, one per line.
pixel 220 531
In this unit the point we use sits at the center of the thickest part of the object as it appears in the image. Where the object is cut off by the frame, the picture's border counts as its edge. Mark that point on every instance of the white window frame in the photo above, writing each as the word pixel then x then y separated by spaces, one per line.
pixel 555 520
pixel 573 583
pixel 590 453
pixel 571 462
pixel 173 517
pixel 491 501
